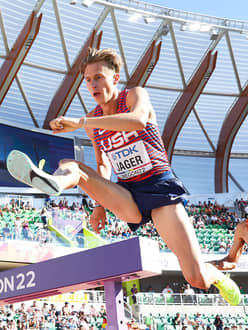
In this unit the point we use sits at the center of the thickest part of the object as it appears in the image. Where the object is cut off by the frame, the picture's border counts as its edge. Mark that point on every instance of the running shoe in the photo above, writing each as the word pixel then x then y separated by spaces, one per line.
pixel 22 168
pixel 229 290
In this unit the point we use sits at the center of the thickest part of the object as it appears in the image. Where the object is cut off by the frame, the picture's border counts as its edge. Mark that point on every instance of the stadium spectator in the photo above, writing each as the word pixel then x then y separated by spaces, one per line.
pixel 92 310
pixel 204 248
pixel 241 207
pixel 6 231
pixel 148 321
pixel 188 290
pixel 10 311
pixel 222 246
pixel 66 309
pixel 134 292
pixel 17 228
pixel 198 321
pixel 83 322
pixel 22 308
pixel 44 217
pixel 218 323
pixel 25 230
pixel 150 289
pixel 199 223
pixel 45 310
pixel 177 320
pixel 167 290
pixel 189 294
pixel 242 291
pixel 186 320
pixel 34 306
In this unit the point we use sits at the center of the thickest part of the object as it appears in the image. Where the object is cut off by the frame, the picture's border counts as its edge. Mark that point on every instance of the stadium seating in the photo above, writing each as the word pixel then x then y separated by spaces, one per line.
pixel 32 215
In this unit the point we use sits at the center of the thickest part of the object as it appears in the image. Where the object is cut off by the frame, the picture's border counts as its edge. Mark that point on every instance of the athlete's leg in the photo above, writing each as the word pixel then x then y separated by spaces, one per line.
pixel 174 227
pixel 69 174
pixel 110 195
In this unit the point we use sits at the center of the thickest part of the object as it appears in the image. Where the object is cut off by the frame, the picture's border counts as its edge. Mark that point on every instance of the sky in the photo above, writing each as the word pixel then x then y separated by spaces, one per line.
pixel 232 9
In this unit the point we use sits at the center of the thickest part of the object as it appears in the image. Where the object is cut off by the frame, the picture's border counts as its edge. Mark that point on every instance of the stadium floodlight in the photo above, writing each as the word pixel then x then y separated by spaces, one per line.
pixel 149 19
pixel 195 26
pixel 183 27
pixel 205 28
pixel 214 34
pixel 87 3
pixel 135 17
pixel 245 33
pixel 165 30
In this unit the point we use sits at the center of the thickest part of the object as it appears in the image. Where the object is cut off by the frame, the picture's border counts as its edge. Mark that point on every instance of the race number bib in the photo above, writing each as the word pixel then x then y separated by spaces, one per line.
pixel 130 160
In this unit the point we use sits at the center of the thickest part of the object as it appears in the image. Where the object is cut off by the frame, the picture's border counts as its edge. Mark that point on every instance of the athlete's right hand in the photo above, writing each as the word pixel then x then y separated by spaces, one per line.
pixel 223 265
pixel 98 219
pixel 65 124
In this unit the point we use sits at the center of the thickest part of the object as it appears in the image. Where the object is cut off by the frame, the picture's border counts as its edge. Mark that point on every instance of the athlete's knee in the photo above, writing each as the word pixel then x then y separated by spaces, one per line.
pixel 129 214
pixel 70 165
pixel 132 218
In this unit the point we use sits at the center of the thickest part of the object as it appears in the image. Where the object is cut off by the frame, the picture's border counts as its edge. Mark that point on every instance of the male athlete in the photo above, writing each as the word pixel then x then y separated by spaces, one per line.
pixel 240 238
pixel 125 136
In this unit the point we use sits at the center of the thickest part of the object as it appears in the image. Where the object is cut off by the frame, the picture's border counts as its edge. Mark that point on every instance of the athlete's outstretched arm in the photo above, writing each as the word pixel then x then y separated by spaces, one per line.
pixel 230 261
pixel 98 216
pixel 138 103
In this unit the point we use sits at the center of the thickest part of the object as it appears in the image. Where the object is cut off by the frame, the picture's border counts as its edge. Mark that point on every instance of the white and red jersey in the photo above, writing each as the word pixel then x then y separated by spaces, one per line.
pixel 134 155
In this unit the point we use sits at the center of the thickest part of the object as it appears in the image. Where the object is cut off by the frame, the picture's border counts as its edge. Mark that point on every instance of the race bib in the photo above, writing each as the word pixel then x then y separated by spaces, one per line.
pixel 130 160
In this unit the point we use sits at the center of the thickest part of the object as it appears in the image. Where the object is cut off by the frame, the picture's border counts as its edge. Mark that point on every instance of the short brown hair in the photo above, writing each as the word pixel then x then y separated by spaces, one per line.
pixel 107 55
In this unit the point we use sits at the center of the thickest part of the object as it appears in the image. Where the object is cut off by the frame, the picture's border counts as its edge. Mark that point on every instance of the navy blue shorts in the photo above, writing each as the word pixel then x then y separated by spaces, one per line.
pixel 156 191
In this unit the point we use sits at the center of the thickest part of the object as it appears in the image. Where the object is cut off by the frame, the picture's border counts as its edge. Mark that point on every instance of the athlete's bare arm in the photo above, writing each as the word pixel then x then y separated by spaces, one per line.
pixel 103 165
pixel 141 112
pixel 104 169
pixel 231 260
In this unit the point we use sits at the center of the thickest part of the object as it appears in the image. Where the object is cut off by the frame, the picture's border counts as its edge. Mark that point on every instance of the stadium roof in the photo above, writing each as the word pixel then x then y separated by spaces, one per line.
pixel 196 77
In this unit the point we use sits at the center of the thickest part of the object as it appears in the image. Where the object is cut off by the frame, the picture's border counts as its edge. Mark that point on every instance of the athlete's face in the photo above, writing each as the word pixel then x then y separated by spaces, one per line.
pixel 101 82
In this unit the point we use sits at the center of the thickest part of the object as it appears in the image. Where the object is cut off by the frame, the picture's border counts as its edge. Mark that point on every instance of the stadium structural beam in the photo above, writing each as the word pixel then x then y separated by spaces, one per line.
pixel 229 129
pixel 17 54
pixel 71 83
pixel 106 266
pixel 186 102
pixel 145 67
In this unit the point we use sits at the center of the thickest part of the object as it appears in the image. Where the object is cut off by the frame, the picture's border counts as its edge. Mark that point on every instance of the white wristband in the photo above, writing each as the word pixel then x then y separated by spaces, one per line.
pixel 83 121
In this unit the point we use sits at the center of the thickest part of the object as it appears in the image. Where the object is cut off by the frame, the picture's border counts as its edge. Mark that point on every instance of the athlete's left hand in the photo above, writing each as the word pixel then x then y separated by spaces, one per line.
pixel 98 219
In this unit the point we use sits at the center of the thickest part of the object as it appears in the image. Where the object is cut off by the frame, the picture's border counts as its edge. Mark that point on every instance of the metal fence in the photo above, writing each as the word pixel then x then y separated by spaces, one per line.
pixel 182 299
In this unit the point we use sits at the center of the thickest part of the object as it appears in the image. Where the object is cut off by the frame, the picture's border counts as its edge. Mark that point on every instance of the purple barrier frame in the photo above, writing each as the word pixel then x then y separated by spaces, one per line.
pixel 107 266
